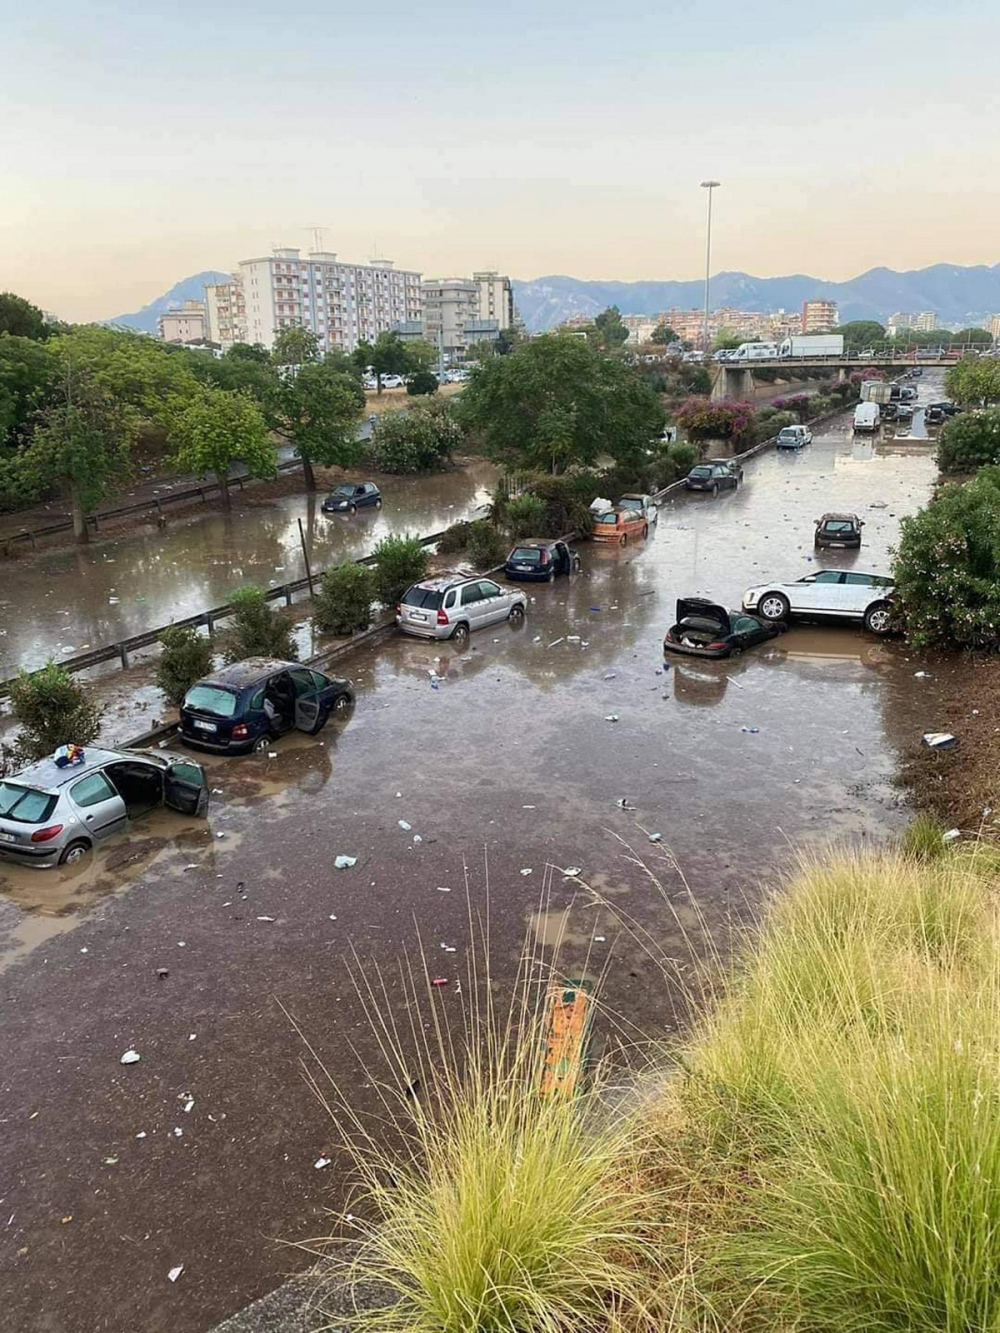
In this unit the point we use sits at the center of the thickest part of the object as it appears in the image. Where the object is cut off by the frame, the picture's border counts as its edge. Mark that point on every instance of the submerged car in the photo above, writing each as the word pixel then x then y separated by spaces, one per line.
pixel 618 525
pixel 246 706
pixel 450 606
pixel 52 815
pixel 835 594
pixel 706 629
pixel 714 477
pixel 793 437
pixel 540 559
pixel 640 504
pixel 351 497
pixel 842 530
pixel 934 415
pixel 733 464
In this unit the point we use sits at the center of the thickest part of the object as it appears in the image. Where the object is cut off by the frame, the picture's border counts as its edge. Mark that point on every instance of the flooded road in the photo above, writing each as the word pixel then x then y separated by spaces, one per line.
pixel 57 603
pixel 509 766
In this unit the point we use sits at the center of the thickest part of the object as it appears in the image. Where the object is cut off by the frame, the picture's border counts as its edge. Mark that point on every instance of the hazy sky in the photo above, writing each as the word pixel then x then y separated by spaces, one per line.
pixel 143 142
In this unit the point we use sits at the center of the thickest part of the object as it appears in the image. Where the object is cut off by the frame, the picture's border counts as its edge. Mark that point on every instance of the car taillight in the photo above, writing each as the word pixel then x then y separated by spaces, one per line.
pixel 399 608
pixel 718 644
pixel 240 731
pixel 47 834
pixel 545 558
pixel 443 618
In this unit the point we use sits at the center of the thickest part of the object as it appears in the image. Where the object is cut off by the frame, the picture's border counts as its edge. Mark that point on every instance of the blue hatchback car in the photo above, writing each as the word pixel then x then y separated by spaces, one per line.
pixel 246 706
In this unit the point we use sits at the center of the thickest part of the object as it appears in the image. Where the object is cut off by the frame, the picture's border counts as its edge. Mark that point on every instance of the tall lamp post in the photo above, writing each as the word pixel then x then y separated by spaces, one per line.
pixel 709 186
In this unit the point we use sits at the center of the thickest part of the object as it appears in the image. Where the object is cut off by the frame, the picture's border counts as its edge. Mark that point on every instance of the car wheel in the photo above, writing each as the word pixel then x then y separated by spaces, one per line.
pixel 460 634
pixel 516 614
pixel 75 852
pixel 261 744
pixel 577 565
pixel 623 539
pixel 773 606
pixel 715 488
pixel 352 509
pixel 550 577
pixel 378 503
pixel 645 530
pixel 342 705
pixel 878 618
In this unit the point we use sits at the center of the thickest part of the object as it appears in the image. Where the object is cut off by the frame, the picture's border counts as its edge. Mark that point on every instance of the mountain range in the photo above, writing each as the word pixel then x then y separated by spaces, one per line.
pixel 956 294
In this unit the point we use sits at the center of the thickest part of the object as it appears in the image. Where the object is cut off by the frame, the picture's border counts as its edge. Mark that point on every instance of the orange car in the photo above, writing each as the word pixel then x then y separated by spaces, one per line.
pixel 618 525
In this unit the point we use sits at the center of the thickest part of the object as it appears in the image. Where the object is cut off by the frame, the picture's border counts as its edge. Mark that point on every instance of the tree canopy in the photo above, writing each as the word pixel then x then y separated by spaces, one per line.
pixel 217 428
pixel 20 318
pixel 862 333
pixel 556 401
pixel 664 334
pixel 318 409
pixel 295 346
pixel 974 382
pixel 27 371
pixel 970 441
pixel 611 332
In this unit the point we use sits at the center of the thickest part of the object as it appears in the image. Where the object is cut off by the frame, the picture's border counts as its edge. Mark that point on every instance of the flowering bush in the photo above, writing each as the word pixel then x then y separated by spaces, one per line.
pixel 705 420
pixel 970 441
pixel 799 403
pixel 947 569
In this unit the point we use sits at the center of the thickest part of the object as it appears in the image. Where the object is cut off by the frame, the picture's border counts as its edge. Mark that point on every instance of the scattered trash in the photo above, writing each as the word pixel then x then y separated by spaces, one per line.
pixel 572 638
pixel 573 871
pixel 556 641
pixel 220 835
pixel 656 837
pixel 404 825
pixel 921 675
pixel 940 740
pixel 952 835
pixel 181 944
pixel 623 803
pixel 175 1273
pixel 265 918
pixel 111 1161
pixel 178 1132
pixel 331 917
pixel 320 1162
pixel 537 639
pixel 63 1220
pixel 192 1036
pixel 141 1134
pixel 192 865
pixel 610 675
pixel 527 872
pixel 417 837
pixel 594 608
pixel 529 807
pixel 600 939
pixel 85 950
pixel 611 717
pixel 272 754
pixel 751 731
pixel 130 1058
pixel 439 981
pixel 441 888
pixel 398 795
pixel 344 862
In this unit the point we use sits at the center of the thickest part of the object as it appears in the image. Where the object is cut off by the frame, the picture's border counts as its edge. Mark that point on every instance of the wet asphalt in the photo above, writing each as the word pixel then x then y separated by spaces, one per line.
pixel 508 766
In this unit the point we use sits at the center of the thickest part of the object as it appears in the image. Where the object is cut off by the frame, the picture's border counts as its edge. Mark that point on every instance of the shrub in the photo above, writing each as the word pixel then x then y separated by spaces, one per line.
pixel 344 601
pixel 487 545
pixel 53 710
pixel 526 515
pixel 947 568
pixel 923 839
pixel 970 441
pixel 800 404
pixel 683 456
pixel 400 561
pixel 705 420
pixel 419 440
pixel 422 382
pixel 775 423
pixel 455 538
pixel 566 499
pixel 185 657
pixel 256 630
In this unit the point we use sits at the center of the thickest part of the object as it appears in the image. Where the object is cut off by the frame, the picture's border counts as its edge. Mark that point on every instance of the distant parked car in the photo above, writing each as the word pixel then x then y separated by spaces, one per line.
pixel 933 416
pixel 640 504
pixel 351 497
pixel 838 530
pixel 793 437
pixel 733 464
pixel 392 381
pixel 834 593
pixel 890 411
pixel 712 477
pixel 450 606
pixel 901 412
pixel 53 816
pixel 948 408
pixel 541 559
pixel 618 525
pixel 245 706
pixel 706 629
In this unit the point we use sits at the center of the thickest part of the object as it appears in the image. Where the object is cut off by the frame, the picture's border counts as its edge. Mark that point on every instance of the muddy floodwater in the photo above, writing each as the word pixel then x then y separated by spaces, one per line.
pixel 478 784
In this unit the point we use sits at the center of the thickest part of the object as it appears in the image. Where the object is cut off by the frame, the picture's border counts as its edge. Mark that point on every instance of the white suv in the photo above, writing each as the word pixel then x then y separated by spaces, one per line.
pixel 449 606
pixel 840 594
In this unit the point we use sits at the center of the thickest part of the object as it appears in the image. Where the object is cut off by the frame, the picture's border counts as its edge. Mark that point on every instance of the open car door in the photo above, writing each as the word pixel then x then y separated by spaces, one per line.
pixel 306 701
pixel 185 787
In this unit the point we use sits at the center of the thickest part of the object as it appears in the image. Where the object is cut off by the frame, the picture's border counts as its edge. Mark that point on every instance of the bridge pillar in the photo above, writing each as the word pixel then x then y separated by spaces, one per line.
pixel 733 383
pixel 842 375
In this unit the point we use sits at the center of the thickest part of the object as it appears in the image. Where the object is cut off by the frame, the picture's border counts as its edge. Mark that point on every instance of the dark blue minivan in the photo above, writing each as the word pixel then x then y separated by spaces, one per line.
pixel 246 706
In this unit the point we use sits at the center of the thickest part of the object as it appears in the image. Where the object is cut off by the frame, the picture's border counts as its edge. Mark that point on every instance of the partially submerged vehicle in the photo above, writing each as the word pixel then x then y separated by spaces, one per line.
pixel 707 629
pixel 617 526
pixel 839 530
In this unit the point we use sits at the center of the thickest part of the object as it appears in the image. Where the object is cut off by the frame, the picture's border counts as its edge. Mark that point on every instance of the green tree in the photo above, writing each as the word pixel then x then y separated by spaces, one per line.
pixel 237 372
pixel 399 561
pixel 249 352
pixel 317 410
pixel 663 334
pixel 487 547
pixel 257 630
pixel 421 356
pixel 20 318
pixel 81 445
pixel 27 372
pixel 387 355
pixel 726 341
pixel 611 332
pixel 422 383
pixel 53 709
pixel 216 429
pixel 295 346
pixel 344 601
pixel 556 402
pixel 419 440
pixel 972 337
pixel 138 371
pixel 970 441
pixel 862 333
pixel 947 569
pixel 974 382
pixel 185 658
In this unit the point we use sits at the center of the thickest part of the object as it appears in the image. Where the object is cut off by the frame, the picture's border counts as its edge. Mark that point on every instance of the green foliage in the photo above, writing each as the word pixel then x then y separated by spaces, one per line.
pixel 239 369
pixel 455 538
pixel 974 382
pixel 421 439
pixel 556 402
pixel 255 352
pixel 420 356
pixel 923 839
pixel 216 429
pixel 487 546
pixel 20 319
pixel 705 420
pixel 295 346
pixel 256 630
pixel 139 372
pixel 185 658
pixel 663 334
pixel 770 425
pixel 970 441
pixel 972 337
pixel 344 601
pixel 399 561
pixel 799 404
pixel 862 333
pixel 526 514
pixel 947 568
pixel 683 456
pixel 53 710
pixel 726 341
pixel 317 409
pixel 611 332
pixel 422 382
pixel 567 503
pixel 27 373
pixel 389 355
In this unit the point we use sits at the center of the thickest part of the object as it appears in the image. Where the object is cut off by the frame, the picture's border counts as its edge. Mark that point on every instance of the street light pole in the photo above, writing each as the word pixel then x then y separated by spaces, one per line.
pixel 709 186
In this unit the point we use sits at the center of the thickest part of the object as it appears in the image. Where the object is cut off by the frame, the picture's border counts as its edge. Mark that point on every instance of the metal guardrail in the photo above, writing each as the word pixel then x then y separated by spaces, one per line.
pixel 154 505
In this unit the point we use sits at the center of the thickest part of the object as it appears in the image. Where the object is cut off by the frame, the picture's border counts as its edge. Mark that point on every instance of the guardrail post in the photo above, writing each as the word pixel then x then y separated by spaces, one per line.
pixel 210 624
pixel 288 595
pixel 123 656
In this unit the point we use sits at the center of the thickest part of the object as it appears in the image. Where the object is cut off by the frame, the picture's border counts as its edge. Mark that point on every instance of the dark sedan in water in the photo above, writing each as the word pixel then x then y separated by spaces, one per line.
pixel 541 560
pixel 706 629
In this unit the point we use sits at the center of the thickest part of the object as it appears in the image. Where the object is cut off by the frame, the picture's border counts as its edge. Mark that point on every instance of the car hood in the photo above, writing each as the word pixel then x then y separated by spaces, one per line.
pixel 706 610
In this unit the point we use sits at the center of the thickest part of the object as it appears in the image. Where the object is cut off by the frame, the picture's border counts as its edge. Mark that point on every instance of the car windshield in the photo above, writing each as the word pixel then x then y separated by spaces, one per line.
pixel 526 555
pixel 838 525
pixel 429 598
pixel 701 472
pixel 631 503
pixel 789 432
pixel 345 492
pixel 211 699
pixel 608 518
pixel 25 805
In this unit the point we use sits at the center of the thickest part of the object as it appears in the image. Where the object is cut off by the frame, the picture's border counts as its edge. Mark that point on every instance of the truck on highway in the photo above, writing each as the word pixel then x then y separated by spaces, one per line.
pixel 755 352
pixel 867 417
pixel 813 344
pixel 877 391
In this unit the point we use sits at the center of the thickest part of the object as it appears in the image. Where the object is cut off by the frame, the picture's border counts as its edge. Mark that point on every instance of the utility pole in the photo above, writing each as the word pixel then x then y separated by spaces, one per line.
pixel 709 186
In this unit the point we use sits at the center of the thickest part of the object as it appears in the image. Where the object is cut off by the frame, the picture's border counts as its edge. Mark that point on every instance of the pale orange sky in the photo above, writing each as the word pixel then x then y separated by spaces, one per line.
pixel 138 149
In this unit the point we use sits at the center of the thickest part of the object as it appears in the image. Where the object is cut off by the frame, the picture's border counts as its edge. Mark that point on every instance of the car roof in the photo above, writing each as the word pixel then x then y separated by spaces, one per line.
pixel 248 672
pixel 853 518
pixel 449 579
pixel 538 541
pixel 635 495
pixel 45 773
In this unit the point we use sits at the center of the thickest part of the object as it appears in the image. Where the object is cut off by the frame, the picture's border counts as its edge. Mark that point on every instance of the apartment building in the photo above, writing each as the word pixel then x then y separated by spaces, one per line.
pixel 451 306
pixel 185 324
pixel 225 313
pixel 926 321
pixel 993 325
pixel 496 298
pixel 343 304
pixel 819 316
